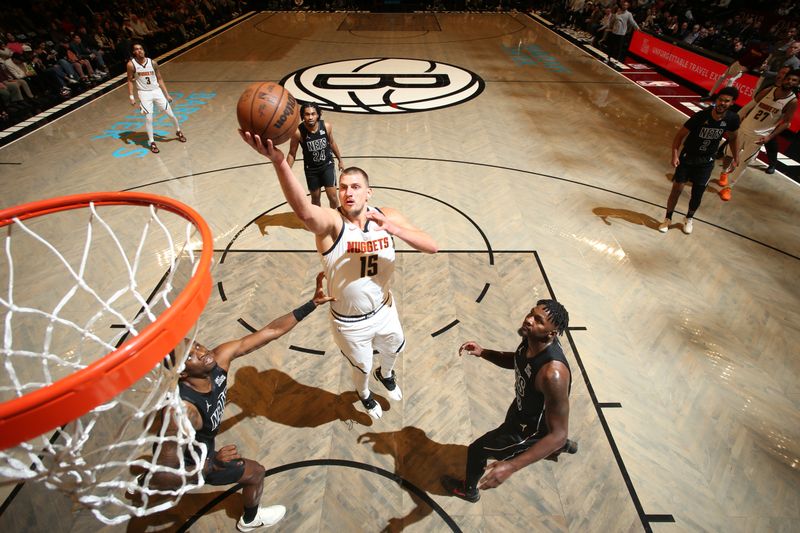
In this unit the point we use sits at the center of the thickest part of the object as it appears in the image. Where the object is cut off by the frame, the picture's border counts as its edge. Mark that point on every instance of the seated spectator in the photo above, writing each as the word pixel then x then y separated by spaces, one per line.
pixel 690 36
pixel 14 85
pixel 13 43
pixel 84 52
pixel 81 66
pixel 46 64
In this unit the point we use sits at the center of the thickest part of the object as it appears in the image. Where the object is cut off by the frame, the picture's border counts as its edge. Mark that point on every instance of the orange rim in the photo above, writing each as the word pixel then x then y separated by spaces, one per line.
pixel 52 406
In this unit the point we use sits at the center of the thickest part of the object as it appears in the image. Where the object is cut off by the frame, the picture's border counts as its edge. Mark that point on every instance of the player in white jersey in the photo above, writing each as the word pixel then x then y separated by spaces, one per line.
pixel 357 248
pixel 763 119
pixel 150 86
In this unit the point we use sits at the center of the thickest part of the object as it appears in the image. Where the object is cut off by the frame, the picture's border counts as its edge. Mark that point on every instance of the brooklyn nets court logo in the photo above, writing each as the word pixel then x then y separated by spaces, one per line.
pixel 384 85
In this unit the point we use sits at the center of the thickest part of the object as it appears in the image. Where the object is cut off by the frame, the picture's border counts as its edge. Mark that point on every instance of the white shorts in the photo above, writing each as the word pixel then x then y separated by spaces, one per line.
pixel 357 339
pixel 147 98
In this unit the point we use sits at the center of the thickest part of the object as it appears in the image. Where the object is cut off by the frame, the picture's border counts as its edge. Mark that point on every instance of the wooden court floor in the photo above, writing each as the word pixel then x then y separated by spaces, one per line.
pixel 548 178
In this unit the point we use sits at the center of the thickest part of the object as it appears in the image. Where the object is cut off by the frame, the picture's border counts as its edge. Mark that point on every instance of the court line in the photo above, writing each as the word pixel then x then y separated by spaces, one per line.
pixel 599 411
pixel 421 494
pixel 486 165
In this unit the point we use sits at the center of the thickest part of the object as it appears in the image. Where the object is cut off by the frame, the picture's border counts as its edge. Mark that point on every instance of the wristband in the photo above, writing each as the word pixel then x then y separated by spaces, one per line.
pixel 131 97
pixel 304 310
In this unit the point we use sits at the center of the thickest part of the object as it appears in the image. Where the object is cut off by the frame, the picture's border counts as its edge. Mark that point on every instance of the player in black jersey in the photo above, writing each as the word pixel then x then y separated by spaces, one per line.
pixel 203 387
pixel 537 422
pixel 315 136
pixel 700 137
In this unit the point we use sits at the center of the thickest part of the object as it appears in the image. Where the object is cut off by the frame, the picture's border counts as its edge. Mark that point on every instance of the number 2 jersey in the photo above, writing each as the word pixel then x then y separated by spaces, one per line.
pixel 359 267
pixel 705 134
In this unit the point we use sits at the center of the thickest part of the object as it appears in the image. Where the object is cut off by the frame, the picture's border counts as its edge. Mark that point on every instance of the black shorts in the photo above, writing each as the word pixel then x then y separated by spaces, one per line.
pixel 697 174
pixel 318 178
pixel 222 473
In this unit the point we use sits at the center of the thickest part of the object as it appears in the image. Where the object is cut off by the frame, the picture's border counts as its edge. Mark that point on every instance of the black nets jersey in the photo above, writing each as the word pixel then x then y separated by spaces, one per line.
pixel 317 153
pixel 705 134
pixel 210 404
pixel 528 407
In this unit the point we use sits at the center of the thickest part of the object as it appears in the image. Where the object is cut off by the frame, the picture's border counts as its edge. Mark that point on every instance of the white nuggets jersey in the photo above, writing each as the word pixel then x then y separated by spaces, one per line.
pixel 764 117
pixel 145 75
pixel 359 267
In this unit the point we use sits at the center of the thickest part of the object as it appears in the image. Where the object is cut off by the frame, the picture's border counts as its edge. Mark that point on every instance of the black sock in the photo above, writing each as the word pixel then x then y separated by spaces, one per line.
pixel 690 214
pixel 250 514
pixel 669 214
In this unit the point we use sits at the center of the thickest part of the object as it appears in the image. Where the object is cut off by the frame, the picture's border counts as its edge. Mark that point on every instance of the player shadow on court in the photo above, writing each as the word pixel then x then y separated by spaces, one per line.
pixel 287 220
pixel 629 216
pixel 139 138
pixel 172 519
pixel 420 461
pixel 277 396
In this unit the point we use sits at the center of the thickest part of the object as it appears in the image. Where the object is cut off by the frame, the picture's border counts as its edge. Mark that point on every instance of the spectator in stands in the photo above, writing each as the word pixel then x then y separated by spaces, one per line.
pixel 13 43
pixel 788 38
pixel 46 61
pixel 81 66
pixel 621 24
pixel 93 56
pixel 786 8
pixel 691 36
pixel 605 23
pixel 776 60
pixel 14 85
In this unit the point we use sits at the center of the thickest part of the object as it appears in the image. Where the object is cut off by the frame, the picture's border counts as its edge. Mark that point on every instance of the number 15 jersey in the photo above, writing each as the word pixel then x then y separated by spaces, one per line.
pixel 359 268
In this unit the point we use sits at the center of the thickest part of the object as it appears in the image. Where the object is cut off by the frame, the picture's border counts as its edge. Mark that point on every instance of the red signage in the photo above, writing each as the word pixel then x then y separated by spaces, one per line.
pixel 692 67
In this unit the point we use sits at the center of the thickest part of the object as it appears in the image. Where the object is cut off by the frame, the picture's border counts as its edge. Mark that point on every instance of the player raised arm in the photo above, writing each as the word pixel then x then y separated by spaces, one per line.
pixel 227 352
pixel 392 221
pixel 318 220
pixel 501 359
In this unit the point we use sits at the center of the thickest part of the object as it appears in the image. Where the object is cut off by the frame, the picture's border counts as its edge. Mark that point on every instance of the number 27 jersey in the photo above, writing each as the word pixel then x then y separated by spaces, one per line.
pixel 359 268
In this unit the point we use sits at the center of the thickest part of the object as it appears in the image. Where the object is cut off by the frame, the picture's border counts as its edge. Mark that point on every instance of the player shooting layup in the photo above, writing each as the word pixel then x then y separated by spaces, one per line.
pixel 356 243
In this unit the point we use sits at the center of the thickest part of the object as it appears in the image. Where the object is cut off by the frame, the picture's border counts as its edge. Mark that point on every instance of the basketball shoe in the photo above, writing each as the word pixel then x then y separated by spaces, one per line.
pixel 723 179
pixel 664 226
pixel 266 517
pixel 687 226
pixel 457 488
pixel 725 194
pixel 393 391
pixel 570 447
pixel 373 408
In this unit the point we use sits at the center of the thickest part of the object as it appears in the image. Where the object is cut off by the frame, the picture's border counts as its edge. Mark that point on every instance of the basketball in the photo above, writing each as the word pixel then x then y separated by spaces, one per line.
pixel 268 110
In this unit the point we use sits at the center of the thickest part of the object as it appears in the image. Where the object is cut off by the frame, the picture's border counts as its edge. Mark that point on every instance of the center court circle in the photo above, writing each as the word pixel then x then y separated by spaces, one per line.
pixel 384 85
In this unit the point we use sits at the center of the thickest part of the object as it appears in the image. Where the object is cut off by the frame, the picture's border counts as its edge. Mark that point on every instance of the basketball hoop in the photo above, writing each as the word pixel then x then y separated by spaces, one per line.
pixel 88 365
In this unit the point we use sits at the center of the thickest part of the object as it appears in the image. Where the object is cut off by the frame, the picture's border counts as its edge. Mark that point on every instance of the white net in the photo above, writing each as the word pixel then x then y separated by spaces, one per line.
pixel 75 286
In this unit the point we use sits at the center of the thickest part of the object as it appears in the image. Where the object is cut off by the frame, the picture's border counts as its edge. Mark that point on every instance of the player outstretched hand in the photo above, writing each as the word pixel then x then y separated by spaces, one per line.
pixel 496 473
pixel 319 294
pixel 268 149
pixel 472 348
pixel 226 454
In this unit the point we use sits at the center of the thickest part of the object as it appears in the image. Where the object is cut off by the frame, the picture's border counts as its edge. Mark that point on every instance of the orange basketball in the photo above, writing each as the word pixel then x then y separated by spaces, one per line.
pixel 268 110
